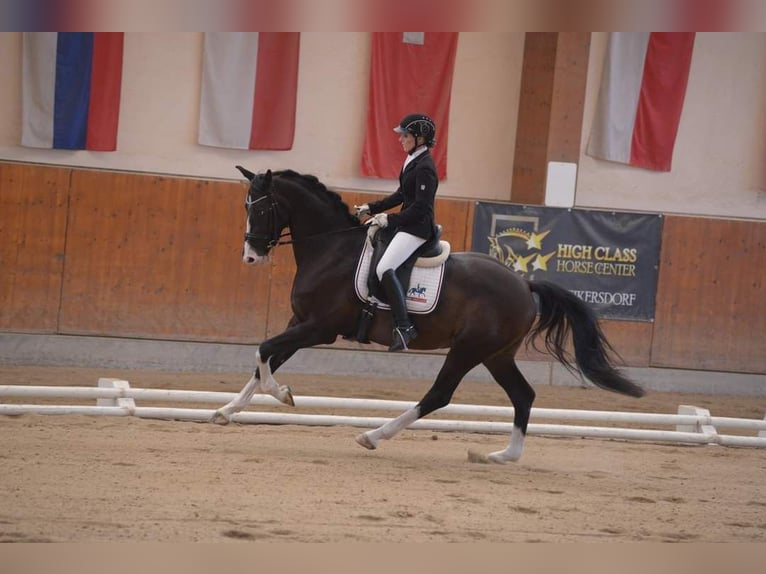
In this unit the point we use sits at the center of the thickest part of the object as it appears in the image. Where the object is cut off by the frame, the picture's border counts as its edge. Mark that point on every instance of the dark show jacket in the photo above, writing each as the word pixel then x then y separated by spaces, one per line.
pixel 417 189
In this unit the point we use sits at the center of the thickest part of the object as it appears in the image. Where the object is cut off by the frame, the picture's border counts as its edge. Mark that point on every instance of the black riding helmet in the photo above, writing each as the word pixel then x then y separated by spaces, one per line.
pixel 419 125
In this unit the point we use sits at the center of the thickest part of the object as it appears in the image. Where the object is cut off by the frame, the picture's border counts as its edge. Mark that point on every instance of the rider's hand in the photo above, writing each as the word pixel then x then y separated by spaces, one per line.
pixel 381 220
pixel 362 210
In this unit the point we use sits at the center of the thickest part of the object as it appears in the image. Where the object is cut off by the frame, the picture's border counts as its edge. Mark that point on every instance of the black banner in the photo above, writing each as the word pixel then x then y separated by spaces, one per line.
pixel 608 259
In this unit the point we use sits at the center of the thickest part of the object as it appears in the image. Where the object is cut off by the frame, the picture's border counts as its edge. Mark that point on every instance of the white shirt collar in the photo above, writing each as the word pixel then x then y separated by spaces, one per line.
pixel 413 155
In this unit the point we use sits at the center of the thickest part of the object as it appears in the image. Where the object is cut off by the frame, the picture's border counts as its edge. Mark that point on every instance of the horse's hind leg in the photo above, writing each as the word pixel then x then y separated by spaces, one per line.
pixel 438 396
pixel 504 370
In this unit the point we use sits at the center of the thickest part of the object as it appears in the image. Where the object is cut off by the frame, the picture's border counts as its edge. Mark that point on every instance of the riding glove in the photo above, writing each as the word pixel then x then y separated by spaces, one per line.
pixel 362 210
pixel 381 220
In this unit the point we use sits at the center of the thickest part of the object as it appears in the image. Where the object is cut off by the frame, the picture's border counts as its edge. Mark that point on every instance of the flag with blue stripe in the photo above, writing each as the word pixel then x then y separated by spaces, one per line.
pixel 71 83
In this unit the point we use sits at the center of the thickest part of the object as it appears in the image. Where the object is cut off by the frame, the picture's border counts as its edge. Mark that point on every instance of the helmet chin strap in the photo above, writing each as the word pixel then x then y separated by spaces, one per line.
pixel 417 147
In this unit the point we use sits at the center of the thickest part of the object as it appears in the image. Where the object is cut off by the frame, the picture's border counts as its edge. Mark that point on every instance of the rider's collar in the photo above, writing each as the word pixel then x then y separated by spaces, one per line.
pixel 413 154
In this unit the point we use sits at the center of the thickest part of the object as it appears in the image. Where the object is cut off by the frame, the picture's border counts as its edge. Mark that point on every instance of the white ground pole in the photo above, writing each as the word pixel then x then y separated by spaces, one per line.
pixel 115 397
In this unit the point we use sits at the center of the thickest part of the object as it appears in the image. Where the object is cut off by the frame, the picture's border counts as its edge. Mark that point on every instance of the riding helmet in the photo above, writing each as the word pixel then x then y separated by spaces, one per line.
pixel 419 125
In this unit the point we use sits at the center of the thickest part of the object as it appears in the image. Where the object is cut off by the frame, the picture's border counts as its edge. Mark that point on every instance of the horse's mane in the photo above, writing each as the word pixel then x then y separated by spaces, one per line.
pixel 313 183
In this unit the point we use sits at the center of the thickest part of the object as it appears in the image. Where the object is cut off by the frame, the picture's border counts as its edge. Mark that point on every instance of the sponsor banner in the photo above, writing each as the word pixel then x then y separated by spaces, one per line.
pixel 608 259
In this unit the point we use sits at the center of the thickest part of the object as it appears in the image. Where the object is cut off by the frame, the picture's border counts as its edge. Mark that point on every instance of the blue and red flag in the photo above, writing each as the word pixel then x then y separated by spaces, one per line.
pixel 71 84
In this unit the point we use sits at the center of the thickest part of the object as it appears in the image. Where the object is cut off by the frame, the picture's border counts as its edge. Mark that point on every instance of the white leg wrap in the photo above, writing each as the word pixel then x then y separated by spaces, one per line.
pixel 267 383
pixel 512 453
pixel 264 383
pixel 223 415
pixel 370 439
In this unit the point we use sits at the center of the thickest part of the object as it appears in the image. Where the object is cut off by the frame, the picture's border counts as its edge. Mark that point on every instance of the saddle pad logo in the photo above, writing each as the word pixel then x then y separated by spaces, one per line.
pixel 421 295
pixel 417 294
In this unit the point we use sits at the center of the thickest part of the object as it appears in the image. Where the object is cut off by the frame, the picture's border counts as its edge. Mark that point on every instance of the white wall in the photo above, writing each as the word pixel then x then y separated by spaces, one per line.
pixel 719 164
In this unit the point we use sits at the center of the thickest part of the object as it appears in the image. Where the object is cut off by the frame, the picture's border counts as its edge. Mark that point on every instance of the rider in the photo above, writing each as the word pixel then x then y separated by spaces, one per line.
pixel 413 224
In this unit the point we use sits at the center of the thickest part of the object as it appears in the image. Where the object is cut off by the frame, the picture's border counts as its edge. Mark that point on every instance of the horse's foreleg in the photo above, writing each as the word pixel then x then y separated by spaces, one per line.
pixel 261 381
pixel 276 350
pixel 268 385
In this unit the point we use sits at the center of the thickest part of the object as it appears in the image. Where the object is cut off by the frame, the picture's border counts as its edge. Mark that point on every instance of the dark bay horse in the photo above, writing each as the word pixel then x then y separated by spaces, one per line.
pixel 485 312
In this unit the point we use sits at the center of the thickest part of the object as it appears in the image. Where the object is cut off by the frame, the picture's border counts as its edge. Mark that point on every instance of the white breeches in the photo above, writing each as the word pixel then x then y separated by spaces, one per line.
pixel 401 247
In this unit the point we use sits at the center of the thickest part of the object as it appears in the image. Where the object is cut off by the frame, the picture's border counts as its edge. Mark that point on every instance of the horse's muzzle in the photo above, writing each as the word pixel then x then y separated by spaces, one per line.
pixel 250 257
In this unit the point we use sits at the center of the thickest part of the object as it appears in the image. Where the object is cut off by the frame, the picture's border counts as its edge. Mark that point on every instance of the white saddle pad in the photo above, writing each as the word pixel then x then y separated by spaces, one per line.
pixel 421 295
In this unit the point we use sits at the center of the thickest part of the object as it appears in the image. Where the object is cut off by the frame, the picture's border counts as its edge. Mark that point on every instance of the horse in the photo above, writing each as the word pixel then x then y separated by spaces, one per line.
pixel 485 312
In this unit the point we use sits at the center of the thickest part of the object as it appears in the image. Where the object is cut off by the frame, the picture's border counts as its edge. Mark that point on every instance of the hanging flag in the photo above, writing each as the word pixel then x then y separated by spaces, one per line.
pixel 249 90
pixel 640 98
pixel 71 85
pixel 411 72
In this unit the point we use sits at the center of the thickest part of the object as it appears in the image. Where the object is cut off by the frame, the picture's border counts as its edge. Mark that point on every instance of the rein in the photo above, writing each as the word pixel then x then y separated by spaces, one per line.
pixel 334 231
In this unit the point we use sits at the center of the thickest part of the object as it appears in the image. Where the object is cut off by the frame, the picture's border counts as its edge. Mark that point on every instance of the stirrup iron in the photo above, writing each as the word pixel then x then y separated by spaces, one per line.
pixel 400 338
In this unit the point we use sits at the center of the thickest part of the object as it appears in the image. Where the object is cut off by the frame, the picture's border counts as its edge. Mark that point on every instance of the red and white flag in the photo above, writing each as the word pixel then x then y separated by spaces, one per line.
pixel 411 72
pixel 249 90
pixel 640 98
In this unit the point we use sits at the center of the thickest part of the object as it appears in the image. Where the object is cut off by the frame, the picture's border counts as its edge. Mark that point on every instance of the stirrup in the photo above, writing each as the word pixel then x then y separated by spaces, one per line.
pixel 401 337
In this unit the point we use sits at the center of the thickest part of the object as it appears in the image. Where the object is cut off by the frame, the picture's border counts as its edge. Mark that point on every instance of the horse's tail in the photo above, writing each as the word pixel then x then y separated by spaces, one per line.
pixel 563 313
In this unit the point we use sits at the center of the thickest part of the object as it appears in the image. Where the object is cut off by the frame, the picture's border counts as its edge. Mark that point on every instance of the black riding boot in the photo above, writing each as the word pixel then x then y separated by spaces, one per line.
pixel 404 331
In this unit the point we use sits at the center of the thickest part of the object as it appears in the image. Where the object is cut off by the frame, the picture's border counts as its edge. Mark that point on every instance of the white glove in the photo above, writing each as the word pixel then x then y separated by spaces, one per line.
pixel 362 210
pixel 381 220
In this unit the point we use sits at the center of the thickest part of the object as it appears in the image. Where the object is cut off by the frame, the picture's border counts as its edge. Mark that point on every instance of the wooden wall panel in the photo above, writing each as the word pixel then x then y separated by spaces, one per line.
pixel 711 295
pixel 160 257
pixel 632 340
pixel 33 207
pixel 452 215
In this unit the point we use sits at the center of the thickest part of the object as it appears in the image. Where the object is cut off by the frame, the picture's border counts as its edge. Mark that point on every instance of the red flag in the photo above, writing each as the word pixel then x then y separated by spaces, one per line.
pixel 411 72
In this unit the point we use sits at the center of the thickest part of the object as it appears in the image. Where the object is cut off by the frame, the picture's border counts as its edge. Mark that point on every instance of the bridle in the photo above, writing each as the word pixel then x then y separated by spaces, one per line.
pixel 273 239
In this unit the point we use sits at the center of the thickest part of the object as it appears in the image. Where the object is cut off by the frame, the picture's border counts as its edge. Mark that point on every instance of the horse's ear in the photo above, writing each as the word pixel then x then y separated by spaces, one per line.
pixel 247 173
pixel 267 179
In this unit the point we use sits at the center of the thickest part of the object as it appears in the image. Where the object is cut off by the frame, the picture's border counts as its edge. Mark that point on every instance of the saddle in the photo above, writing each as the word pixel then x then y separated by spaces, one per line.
pixel 421 275
pixel 380 241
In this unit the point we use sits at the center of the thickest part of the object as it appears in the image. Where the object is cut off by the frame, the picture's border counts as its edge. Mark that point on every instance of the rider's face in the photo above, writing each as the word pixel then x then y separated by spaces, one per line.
pixel 408 141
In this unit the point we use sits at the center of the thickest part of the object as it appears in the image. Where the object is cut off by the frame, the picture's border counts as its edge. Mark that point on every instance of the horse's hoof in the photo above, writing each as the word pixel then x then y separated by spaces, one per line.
pixel 477 457
pixel 287 396
pixel 501 457
pixel 365 441
pixel 220 418
pixel 496 458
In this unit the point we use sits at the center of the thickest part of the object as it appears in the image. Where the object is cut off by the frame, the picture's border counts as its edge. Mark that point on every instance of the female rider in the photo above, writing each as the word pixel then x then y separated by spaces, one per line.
pixel 413 224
